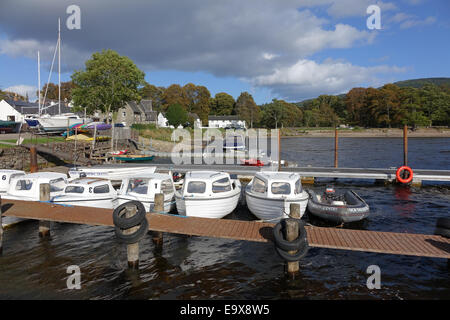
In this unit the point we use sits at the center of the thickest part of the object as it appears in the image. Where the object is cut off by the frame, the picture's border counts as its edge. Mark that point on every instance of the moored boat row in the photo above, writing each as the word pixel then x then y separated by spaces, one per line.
pixel 207 194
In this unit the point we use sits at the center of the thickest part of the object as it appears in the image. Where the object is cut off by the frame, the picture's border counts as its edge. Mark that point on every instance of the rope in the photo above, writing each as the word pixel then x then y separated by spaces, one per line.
pixel 58 204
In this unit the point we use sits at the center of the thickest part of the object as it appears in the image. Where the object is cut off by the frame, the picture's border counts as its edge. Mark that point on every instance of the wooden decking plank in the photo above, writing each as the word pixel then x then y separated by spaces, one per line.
pixel 347 239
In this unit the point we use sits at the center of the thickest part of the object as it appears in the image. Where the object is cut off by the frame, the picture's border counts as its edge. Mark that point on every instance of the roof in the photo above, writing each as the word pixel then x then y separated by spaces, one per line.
pixel 155 176
pixel 133 105
pixel 44 175
pixel 193 115
pixel 88 181
pixel 25 107
pixel 234 117
pixel 146 105
pixel 278 176
pixel 205 175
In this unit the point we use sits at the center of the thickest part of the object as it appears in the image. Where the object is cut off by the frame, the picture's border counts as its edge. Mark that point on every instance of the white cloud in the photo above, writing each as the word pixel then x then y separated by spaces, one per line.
pixel 307 78
pixel 23 90
pixel 225 38
pixel 417 22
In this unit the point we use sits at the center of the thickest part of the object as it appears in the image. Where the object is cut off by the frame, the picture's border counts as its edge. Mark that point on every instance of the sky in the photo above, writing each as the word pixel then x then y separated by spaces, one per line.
pixel 283 49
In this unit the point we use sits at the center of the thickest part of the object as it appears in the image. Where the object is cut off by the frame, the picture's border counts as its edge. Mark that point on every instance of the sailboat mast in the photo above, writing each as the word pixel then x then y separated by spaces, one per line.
pixel 59 65
pixel 39 83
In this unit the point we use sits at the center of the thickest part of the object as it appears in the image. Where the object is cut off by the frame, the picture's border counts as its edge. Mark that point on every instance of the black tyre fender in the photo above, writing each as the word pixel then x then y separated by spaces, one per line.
pixel 442 232
pixel 135 236
pixel 443 223
pixel 122 222
pixel 285 245
pixel 293 257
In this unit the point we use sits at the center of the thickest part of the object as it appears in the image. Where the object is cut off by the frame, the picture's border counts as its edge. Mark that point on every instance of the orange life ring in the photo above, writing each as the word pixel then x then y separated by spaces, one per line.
pixel 399 178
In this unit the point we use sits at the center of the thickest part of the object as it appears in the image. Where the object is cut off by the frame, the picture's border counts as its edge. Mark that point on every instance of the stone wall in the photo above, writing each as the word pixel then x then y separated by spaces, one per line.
pixel 18 158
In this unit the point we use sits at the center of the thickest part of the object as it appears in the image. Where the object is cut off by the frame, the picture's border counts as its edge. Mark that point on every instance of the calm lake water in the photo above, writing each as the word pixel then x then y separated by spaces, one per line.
pixel 204 268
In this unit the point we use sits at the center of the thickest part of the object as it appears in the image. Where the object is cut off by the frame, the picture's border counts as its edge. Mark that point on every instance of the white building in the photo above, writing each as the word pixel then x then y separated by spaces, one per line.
pixel 225 122
pixel 16 110
pixel 8 112
pixel 162 121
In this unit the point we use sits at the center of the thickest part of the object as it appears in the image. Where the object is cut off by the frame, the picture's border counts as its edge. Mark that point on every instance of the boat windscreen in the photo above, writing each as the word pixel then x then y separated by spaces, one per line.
pixel 221 185
pixel 74 189
pixel 281 188
pixel 258 185
pixel 196 187
pixel 138 186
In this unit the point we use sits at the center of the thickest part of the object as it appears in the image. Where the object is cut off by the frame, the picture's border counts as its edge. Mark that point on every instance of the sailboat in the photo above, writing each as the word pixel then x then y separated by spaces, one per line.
pixel 61 121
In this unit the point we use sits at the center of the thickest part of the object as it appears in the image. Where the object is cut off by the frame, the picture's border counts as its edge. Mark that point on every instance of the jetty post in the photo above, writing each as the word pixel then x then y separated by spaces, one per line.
pixel 33 159
pixel 133 248
pixel 44 195
pixel 292 232
pixel 1 227
pixel 336 147
pixel 405 145
pixel 159 207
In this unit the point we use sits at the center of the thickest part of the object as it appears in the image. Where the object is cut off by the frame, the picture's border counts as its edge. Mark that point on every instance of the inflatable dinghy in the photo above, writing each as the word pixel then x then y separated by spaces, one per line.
pixel 348 207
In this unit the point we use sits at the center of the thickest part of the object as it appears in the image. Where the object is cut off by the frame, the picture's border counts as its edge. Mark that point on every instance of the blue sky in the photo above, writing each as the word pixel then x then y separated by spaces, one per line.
pixel 289 49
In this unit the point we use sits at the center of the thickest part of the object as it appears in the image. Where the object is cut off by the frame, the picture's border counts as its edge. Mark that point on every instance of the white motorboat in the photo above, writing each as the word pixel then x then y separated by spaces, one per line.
pixel 234 142
pixel 113 173
pixel 143 187
pixel 88 192
pixel 5 178
pixel 270 194
pixel 26 187
pixel 208 194
pixel 58 123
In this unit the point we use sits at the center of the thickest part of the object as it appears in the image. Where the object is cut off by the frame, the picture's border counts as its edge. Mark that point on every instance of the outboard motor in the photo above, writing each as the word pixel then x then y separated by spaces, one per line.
pixel 330 193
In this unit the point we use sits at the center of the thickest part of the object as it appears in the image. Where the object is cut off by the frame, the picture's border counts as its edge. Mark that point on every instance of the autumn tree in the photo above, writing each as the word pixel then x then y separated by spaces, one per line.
pixel 149 91
pixel 198 100
pixel 52 91
pixel 174 94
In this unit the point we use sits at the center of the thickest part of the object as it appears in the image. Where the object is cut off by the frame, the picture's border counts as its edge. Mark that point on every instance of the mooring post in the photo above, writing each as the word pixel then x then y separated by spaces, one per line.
pixel 44 195
pixel 33 160
pixel 336 148
pixel 405 145
pixel 132 249
pixel 159 207
pixel 1 227
pixel 292 234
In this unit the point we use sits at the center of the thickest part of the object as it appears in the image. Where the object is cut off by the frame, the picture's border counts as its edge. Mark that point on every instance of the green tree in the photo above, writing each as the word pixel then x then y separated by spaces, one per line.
pixel 176 115
pixel 222 104
pixel 109 81
pixel 247 109
pixel 272 114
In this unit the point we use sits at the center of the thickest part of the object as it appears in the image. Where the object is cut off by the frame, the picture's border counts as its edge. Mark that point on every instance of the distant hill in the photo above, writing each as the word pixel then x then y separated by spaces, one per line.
pixel 419 83
pixel 415 83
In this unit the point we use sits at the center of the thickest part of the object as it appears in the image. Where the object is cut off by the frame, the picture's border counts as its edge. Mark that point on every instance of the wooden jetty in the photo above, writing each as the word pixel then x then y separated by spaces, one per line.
pixel 377 174
pixel 432 246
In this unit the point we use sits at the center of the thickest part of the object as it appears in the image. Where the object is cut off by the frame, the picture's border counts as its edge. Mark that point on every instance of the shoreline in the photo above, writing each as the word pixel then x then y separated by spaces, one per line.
pixel 365 133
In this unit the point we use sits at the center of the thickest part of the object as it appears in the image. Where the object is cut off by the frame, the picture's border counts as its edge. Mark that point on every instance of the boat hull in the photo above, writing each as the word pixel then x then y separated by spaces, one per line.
pixel 109 173
pixel 149 204
pixel 339 214
pixel 208 207
pixel 104 202
pixel 273 210
pixel 57 124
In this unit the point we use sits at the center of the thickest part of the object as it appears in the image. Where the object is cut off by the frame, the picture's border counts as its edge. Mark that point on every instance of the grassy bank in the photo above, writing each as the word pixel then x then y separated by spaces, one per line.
pixel 30 141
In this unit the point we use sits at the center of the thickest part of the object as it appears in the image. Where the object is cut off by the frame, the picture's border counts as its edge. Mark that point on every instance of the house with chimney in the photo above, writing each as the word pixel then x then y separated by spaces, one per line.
pixel 133 112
